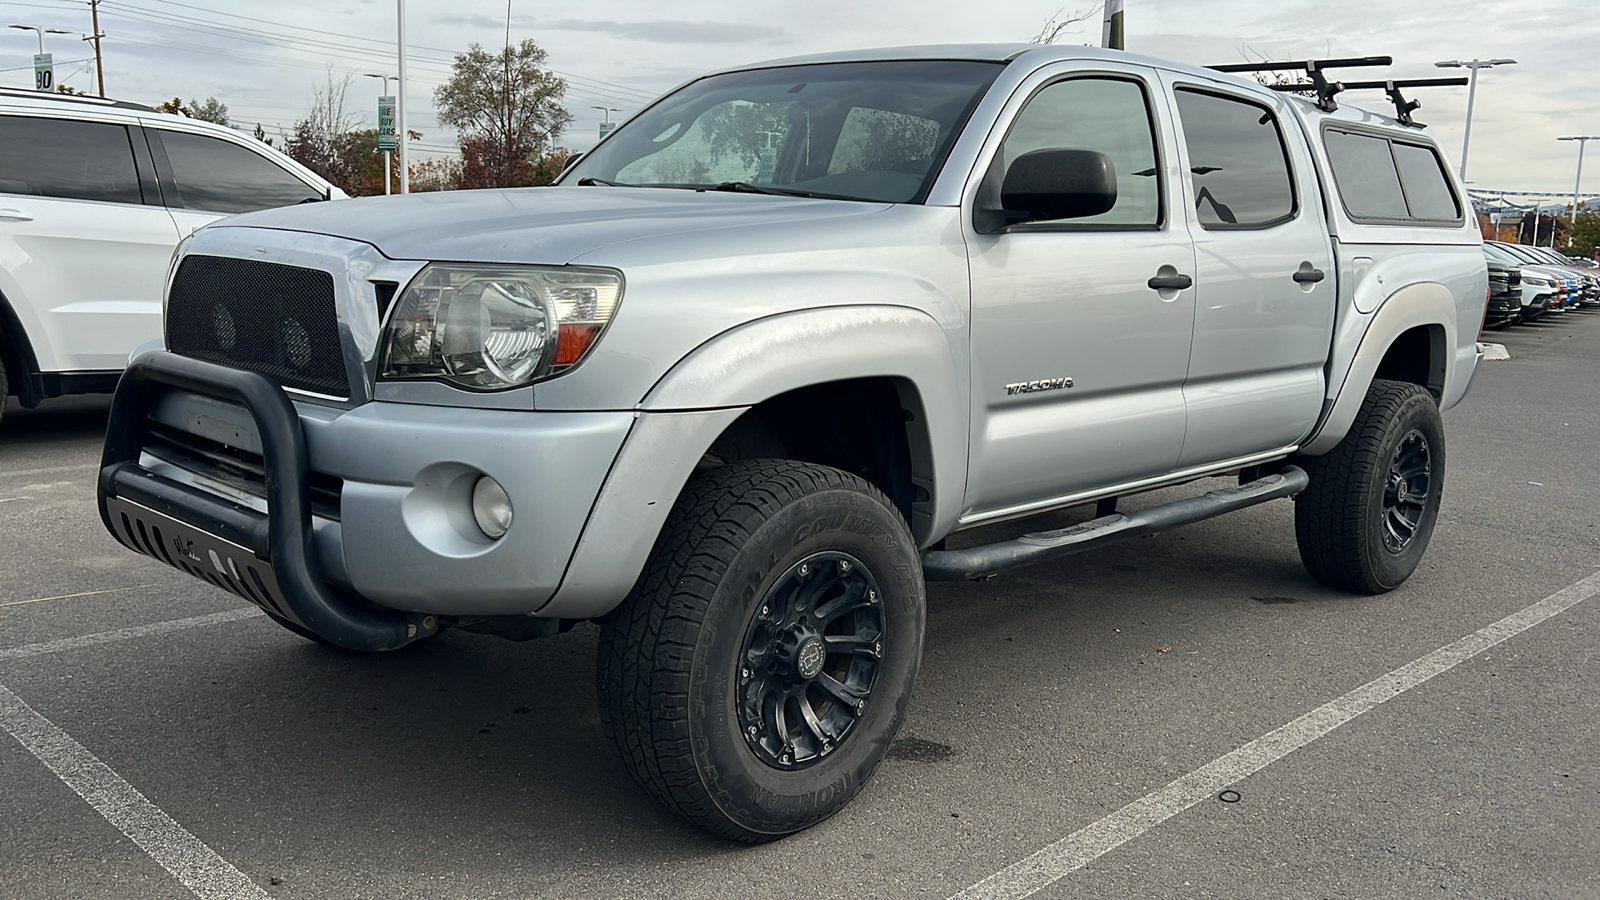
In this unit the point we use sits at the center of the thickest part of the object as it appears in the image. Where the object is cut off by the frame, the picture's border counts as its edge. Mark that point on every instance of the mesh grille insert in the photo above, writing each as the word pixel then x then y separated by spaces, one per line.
pixel 266 317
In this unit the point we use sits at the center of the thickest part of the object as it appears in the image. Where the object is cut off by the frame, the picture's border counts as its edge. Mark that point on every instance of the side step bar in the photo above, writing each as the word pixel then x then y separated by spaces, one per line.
pixel 978 563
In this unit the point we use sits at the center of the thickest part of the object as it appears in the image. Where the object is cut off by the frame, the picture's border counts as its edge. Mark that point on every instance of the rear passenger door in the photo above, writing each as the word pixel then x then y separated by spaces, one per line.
pixel 1264 278
pixel 84 242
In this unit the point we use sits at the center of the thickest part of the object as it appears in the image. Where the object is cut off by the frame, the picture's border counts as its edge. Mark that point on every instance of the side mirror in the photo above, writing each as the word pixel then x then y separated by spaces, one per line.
pixel 571 161
pixel 1059 184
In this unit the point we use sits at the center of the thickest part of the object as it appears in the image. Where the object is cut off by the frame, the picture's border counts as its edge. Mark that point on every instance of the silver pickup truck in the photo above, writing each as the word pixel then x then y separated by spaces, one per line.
pixel 730 385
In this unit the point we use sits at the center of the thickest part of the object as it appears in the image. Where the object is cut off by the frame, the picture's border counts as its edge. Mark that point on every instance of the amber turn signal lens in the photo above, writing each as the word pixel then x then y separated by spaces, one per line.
pixel 573 340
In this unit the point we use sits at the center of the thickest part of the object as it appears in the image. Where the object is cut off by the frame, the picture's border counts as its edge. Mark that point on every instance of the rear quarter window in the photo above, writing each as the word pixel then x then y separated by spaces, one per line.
pixel 1390 182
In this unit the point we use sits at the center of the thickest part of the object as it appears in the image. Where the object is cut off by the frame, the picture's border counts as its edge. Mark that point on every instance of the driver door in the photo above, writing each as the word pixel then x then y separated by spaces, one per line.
pixel 1078 362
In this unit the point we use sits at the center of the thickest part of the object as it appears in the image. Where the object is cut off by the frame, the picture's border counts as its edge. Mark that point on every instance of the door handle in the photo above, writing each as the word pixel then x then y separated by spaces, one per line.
pixel 1170 282
pixel 1308 275
pixel 15 215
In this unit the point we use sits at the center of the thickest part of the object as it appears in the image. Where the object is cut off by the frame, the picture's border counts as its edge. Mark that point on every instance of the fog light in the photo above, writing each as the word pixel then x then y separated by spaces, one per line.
pixel 491 507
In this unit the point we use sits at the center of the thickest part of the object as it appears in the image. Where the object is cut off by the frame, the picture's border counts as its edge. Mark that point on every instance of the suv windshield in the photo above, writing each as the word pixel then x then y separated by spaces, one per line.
pixel 855 131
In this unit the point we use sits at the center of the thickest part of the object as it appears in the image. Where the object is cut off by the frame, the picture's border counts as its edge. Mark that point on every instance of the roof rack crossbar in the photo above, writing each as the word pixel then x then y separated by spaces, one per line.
pixel 1326 90
pixel 1306 65
pixel 1402 107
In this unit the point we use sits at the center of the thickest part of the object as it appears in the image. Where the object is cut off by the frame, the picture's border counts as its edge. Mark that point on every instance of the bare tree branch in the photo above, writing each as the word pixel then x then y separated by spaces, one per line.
pixel 1061 24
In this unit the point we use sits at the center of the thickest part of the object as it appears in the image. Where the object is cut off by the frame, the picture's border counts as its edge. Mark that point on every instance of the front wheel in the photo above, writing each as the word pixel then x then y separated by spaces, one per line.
pixel 1364 521
pixel 753 679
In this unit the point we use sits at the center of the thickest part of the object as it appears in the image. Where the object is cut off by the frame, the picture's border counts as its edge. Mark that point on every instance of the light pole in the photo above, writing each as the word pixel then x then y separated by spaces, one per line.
pixel 43 68
pixel 41 32
pixel 1472 91
pixel 1577 182
pixel 400 100
pixel 606 111
pixel 385 78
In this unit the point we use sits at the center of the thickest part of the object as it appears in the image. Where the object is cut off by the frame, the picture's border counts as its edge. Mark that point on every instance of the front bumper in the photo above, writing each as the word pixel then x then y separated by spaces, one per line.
pixel 401 546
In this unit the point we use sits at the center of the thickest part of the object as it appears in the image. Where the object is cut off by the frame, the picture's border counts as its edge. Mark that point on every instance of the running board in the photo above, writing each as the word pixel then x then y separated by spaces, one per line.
pixel 978 563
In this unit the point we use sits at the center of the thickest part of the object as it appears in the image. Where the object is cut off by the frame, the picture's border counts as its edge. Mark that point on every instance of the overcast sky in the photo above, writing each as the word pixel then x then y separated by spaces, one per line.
pixel 265 59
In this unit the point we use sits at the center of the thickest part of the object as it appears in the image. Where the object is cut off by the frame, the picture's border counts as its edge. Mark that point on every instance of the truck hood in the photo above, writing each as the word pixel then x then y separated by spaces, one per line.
pixel 549 226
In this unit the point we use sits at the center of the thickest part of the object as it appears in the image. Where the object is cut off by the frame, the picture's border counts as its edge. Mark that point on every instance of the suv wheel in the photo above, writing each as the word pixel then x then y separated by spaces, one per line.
pixel 1366 518
pixel 755 675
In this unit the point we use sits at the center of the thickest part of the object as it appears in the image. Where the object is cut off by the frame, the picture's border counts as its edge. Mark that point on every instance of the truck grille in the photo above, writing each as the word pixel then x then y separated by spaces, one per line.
pixel 278 320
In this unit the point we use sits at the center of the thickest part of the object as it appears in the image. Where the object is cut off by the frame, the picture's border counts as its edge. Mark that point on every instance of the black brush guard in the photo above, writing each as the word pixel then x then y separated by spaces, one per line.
pixel 266 558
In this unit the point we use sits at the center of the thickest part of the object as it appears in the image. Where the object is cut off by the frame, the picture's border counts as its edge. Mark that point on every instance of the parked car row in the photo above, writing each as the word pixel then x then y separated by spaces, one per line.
pixel 1526 283
pixel 94 196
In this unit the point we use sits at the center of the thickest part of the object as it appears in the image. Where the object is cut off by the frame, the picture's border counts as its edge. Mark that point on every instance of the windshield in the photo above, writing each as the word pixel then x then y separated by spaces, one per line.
pixel 856 131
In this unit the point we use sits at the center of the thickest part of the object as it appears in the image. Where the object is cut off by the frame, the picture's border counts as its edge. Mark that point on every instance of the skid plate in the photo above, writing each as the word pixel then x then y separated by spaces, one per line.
pixel 225 564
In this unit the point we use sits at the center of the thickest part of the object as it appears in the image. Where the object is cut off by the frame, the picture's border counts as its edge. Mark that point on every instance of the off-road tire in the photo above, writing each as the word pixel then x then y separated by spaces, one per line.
pixel 1340 517
pixel 669 661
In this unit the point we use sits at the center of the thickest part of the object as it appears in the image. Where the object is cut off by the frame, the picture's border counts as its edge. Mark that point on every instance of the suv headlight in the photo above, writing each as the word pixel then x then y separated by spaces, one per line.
pixel 1539 280
pixel 489 328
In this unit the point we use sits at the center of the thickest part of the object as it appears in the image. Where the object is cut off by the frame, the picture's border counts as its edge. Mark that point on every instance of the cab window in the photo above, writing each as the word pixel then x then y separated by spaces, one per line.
pixel 1238 162
pixel 1107 115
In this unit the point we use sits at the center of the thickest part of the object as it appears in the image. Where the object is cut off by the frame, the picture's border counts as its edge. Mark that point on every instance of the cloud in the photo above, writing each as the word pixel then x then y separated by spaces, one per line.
pixel 657 32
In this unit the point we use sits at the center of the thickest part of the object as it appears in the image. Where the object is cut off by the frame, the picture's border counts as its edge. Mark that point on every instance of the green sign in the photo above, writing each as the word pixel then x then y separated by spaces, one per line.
pixel 44 72
pixel 386 141
pixel 605 128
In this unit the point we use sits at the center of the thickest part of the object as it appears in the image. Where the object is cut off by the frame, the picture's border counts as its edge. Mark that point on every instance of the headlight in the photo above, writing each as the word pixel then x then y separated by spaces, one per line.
pixel 494 327
pixel 1539 280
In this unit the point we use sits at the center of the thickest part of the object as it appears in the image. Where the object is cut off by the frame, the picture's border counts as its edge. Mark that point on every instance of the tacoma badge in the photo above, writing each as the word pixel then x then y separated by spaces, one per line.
pixel 1033 387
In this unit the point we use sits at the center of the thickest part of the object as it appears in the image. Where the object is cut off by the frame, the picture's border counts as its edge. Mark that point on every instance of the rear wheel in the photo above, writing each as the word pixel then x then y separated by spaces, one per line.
pixel 755 675
pixel 1364 521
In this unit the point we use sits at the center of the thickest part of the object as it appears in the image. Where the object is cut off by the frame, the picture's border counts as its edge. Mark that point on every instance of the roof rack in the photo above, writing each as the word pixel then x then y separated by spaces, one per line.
pixel 1313 68
pixel 1402 106
pixel 25 94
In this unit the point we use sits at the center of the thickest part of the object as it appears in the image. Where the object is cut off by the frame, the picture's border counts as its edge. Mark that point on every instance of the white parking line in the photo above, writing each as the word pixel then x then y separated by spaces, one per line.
pixel 48 470
pixel 1087 844
pixel 123 634
pixel 132 587
pixel 188 858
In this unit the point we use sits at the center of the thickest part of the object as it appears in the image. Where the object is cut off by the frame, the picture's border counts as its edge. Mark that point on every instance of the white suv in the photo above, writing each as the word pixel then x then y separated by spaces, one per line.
pixel 94 196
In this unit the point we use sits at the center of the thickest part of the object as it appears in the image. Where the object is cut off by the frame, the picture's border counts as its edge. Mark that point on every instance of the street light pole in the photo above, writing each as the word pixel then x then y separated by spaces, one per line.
pixel 41 31
pixel 1577 182
pixel 386 175
pixel 400 102
pixel 1472 93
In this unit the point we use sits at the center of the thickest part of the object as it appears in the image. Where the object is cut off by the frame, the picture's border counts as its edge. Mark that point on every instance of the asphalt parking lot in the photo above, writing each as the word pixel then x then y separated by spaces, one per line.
pixel 1049 701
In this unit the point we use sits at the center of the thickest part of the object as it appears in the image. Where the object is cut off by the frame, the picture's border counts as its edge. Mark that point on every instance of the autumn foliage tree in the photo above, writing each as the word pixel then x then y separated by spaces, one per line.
pixel 506 108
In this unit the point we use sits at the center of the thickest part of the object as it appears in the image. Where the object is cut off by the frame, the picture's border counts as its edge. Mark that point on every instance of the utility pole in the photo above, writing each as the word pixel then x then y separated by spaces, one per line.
pixel 1472 93
pixel 99 68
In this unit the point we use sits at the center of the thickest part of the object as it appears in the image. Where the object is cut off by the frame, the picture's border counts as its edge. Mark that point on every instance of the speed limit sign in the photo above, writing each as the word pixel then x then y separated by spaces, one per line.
pixel 44 72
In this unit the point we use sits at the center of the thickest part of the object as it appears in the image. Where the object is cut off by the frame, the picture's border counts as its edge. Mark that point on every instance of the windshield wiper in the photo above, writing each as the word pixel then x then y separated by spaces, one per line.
pixel 745 187
pixel 586 182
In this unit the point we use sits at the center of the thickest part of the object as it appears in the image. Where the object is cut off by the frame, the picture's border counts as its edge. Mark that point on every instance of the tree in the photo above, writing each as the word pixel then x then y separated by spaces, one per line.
pixel 319 141
pixel 260 134
pixel 1061 24
pixel 174 106
pixel 506 109
pixel 211 110
pixel 1585 236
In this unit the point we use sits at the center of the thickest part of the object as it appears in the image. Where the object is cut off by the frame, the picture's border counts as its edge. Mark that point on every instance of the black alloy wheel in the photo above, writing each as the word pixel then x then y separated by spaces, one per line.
pixel 810 660
pixel 1405 496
